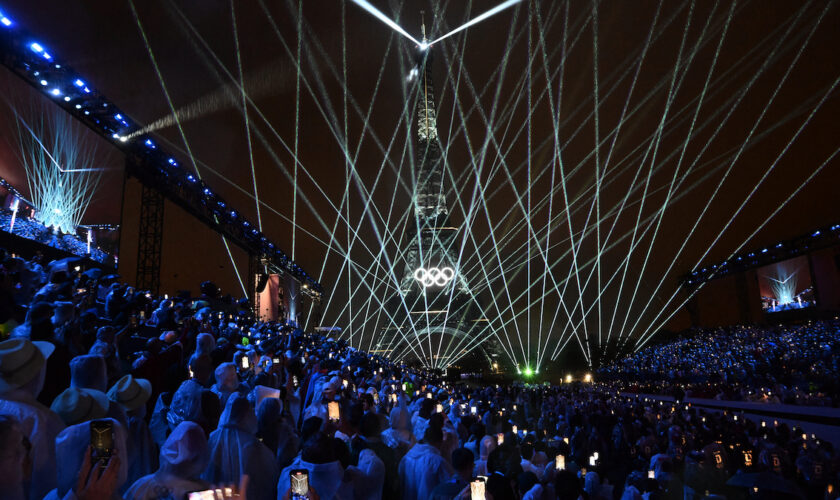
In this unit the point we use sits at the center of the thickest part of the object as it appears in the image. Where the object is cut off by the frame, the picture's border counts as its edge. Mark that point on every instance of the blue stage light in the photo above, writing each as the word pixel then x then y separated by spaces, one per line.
pixel 67 98
pixel 78 106
pixel 150 143
pixel 233 213
pixel 55 92
pixel 763 250
pixel 172 161
pixel 118 116
pixel 44 83
pixel 5 21
pixel 79 83
pixel 191 178
pixel 36 47
pixel 207 191
pixel 817 233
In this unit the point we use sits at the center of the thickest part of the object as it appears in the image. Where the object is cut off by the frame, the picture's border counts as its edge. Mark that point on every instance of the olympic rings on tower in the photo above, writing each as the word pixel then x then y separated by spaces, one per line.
pixel 434 276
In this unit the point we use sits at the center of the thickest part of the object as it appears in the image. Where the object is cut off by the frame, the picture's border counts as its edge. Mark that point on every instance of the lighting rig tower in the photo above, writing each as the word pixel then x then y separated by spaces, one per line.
pixel 434 304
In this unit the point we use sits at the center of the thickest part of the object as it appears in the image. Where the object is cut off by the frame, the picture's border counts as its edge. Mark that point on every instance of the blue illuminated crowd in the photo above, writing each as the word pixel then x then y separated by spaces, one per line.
pixel 33 230
pixel 197 396
pixel 788 364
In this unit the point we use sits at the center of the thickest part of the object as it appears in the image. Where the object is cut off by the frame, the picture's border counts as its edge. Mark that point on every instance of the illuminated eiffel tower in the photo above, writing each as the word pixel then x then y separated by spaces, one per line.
pixel 434 309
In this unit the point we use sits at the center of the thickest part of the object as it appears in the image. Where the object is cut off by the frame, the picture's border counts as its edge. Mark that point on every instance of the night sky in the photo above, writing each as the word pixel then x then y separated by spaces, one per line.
pixel 482 80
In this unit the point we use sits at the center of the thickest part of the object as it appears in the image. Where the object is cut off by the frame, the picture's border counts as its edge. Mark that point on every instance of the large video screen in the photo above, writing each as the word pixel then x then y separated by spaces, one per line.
pixel 786 286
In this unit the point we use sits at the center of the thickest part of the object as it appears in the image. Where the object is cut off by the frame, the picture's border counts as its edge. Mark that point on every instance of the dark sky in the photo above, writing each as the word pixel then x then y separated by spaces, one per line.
pixel 481 74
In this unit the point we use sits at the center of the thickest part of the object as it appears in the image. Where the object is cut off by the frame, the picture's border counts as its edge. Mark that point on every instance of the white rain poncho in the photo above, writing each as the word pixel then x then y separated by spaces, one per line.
pixel 235 450
pixel 183 457
pixel 324 478
pixel 71 445
pixel 421 470
pixel 41 426
pixel 399 435
pixel 227 382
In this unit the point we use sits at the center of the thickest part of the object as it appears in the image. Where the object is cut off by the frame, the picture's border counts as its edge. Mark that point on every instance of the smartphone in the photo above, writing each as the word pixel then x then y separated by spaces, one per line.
pixel 473 410
pixel 102 441
pixel 403 386
pixel 142 315
pixel 203 495
pixel 513 428
pixel 294 380
pixel 299 479
pixel 333 411
pixel 477 488
pixel 428 395
pixel 560 462
pixel 276 361
pixel 394 398
pixel 651 474
pixel 500 438
pixel 344 383
pixel 439 408
pixel 245 363
pixel 376 398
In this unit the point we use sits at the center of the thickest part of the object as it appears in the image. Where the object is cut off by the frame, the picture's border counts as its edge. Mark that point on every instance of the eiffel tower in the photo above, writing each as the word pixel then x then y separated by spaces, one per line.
pixel 436 317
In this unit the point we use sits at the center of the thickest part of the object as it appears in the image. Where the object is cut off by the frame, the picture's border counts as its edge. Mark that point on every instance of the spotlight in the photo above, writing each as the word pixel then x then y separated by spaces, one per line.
pixel 78 106
pixel 55 92
pixel 5 21
pixel 36 47
pixel 191 178
pixel 424 46
pixel 150 143
pixel 44 83
pixel 79 83
pixel 172 161
pixel 67 98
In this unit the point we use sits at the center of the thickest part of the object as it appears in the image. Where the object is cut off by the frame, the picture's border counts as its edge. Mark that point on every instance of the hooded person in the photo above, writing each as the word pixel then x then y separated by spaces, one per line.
pixel 275 432
pixel 71 445
pixel 204 344
pixel 186 405
pixel 488 444
pixel 235 450
pixel 183 457
pixel 399 436
pixel 227 382
pixel 318 406
pixel 423 467
pixel 22 374
pixel 367 478
pixel 89 372
pixel 318 457
pixel 131 394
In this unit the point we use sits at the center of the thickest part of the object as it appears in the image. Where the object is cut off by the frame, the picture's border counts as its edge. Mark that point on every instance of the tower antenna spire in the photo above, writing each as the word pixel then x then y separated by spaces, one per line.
pixel 423 25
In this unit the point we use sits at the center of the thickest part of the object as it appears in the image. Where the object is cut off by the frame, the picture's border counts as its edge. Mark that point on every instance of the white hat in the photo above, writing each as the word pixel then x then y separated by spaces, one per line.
pixel 21 360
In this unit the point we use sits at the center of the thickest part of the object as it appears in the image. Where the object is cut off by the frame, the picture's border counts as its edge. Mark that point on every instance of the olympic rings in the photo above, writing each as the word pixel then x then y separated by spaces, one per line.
pixel 434 276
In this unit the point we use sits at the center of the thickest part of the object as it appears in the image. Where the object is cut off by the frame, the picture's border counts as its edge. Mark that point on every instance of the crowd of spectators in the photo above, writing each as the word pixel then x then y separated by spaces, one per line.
pixel 196 396
pixel 788 364
pixel 33 230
